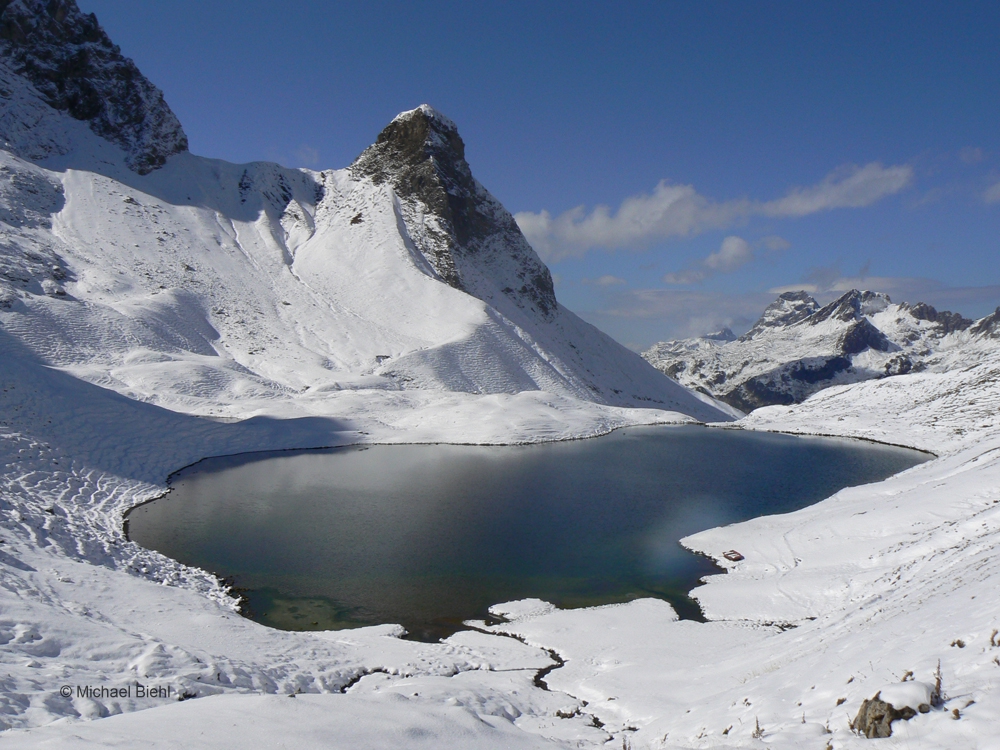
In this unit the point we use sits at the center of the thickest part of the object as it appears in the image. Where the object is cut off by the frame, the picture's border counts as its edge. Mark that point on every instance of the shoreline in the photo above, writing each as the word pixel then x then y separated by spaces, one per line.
pixel 720 567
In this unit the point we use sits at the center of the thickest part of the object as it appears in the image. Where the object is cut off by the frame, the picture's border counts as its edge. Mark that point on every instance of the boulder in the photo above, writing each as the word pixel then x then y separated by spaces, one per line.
pixel 875 717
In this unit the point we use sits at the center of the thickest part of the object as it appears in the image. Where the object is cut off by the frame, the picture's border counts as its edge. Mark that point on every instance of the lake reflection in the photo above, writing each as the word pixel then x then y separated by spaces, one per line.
pixel 430 535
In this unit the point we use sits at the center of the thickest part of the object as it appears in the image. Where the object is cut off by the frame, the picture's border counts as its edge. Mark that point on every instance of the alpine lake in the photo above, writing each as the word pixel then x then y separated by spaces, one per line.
pixel 429 536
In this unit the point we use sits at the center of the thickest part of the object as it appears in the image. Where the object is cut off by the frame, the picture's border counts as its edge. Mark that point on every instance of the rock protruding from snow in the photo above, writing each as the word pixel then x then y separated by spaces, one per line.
pixel 790 307
pixel 988 326
pixel 901 700
pixel 470 239
pixel 797 348
pixel 875 717
pixel 75 68
pixel 852 306
pixel 946 321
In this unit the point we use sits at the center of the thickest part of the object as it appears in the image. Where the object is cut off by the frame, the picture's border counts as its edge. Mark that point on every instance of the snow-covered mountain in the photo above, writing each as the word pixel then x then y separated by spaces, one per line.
pixel 220 288
pixel 798 347
pixel 73 67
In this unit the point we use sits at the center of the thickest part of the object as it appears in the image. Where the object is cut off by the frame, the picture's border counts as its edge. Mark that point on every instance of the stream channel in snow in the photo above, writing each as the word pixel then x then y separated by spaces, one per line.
pixel 429 536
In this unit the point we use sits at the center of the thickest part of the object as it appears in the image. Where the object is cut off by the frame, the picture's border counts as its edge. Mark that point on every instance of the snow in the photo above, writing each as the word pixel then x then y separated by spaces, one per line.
pixel 429 111
pixel 908 694
pixel 150 321
pixel 226 721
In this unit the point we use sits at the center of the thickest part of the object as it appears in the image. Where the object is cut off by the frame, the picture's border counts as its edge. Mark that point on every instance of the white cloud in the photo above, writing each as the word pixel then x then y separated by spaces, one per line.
pixel 608 280
pixel 847 187
pixel 671 211
pixel 992 194
pixel 307 155
pixel 686 278
pixel 775 244
pixel 645 316
pixel 679 211
pixel 735 252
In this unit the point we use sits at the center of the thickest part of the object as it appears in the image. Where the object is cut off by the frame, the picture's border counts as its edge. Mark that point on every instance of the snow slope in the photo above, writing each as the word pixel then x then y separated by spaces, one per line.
pixel 221 288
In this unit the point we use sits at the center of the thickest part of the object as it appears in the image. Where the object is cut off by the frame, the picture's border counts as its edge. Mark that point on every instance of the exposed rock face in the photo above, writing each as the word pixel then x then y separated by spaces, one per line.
pixel 468 237
pixel 790 307
pixel 852 306
pixel 874 719
pixel 863 335
pixel 988 326
pixel 75 68
pixel 948 321
pixel 798 348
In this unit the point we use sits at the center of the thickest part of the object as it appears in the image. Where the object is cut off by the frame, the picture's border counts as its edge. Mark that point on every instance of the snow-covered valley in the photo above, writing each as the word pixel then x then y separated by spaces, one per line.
pixel 204 308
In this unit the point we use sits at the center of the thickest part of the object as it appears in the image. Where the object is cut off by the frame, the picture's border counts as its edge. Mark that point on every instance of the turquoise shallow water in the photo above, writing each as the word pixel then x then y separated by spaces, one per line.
pixel 430 535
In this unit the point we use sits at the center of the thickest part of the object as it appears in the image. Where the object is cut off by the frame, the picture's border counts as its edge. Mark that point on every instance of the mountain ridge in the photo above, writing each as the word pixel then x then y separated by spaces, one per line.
pixel 798 347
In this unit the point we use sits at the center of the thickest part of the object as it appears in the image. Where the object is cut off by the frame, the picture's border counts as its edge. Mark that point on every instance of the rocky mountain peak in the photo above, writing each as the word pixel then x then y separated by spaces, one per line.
pixel 853 305
pixel 789 308
pixel 419 145
pixel 74 66
pixel 792 353
pixel 723 334
pixel 469 238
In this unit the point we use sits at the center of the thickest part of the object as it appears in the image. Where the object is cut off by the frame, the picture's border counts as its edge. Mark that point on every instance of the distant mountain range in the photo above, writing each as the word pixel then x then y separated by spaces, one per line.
pixel 798 347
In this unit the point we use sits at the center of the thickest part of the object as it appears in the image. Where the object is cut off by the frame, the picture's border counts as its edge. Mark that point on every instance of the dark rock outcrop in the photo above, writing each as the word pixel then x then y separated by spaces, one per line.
pixel 757 392
pixel 853 305
pixel 816 372
pixel 784 385
pixel 724 334
pixel 862 335
pixel 470 236
pixel 75 67
pixel 947 321
pixel 875 717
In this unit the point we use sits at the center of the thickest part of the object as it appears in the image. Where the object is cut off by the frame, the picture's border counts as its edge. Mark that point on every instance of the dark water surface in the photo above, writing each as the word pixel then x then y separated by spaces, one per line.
pixel 430 535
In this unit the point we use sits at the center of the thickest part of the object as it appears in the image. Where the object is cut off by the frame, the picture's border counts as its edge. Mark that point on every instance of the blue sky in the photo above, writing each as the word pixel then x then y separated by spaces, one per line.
pixel 691 158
